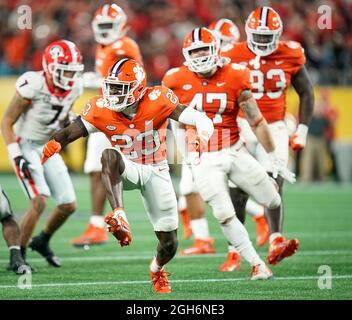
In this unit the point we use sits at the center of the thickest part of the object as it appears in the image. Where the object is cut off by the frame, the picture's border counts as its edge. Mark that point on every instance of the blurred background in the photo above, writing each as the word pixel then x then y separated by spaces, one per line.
pixel 159 27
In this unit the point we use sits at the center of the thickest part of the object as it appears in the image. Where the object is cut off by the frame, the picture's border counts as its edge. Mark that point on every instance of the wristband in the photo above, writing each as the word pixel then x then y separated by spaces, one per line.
pixel 14 150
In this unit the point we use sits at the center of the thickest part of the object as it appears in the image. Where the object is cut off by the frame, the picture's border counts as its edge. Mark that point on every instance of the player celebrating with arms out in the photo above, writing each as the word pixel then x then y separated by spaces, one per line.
pixel 40 107
pixel 274 66
pixel 109 27
pixel 134 119
pixel 211 84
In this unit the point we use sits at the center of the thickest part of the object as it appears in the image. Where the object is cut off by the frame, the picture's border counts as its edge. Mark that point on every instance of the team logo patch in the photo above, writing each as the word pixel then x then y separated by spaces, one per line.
pixel 139 72
pixel 56 51
pixel 155 94
pixel 111 128
pixel 187 87
pixel 100 103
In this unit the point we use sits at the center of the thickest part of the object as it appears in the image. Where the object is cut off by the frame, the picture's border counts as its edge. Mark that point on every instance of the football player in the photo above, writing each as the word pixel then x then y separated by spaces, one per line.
pixel 228 34
pixel 274 65
pixel 109 27
pixel 134 118
pixel 11 234
pixel 40 106
pixel 211 84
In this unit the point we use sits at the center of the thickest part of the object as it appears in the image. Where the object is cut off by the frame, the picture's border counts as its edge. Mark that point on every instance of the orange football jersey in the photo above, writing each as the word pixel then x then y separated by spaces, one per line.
pixel 216 96
pixel 106 56
pixel 271 80
pixel 142 138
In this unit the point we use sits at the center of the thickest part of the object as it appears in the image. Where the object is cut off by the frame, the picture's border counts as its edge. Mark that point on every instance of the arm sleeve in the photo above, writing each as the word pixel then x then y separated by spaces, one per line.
pixel 204 125
pixel 180 137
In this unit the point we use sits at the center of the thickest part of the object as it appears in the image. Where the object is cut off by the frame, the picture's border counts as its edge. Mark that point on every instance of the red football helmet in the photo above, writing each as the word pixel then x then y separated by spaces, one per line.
pixel 125 84
pixel 109 24
pixel 62 63
pixel 201 39
pixel 226 30
pixel 263 29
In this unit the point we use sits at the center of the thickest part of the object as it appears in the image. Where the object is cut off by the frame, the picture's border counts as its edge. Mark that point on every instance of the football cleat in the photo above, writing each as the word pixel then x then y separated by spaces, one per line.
pixel 261 272
pixel 262 230
pixel 119 227
pixel 160 281
pixel 42 247
pixel 91 236
pixel 186 223
pixel 232 263
pixel 281 248
pixel 200 246
pixel 18 264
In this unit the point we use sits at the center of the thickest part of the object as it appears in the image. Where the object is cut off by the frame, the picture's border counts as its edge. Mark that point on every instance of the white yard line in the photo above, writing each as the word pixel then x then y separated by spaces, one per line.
pixel 109 283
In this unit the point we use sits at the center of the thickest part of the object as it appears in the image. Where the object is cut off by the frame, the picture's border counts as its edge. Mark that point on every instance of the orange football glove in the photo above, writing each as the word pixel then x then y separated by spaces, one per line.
pixel 119 227
pixel 50 149
pixel 298 139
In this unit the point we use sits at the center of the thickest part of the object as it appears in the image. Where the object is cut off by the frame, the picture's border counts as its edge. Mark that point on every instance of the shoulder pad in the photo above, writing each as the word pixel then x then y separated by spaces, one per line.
pixel 29 84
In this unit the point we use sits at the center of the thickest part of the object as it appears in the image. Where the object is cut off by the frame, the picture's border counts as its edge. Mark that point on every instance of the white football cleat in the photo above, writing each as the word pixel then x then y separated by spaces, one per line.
pixel 261 272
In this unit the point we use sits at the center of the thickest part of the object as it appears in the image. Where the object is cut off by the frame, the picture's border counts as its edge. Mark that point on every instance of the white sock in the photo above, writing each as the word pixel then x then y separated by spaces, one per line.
pixel 237 235
pixel 97 221
pixel 182 205
pixel 200 228
pixel 14 248
pixel 154 267
pixel 231 248
pixel 274 235
pixel 254 209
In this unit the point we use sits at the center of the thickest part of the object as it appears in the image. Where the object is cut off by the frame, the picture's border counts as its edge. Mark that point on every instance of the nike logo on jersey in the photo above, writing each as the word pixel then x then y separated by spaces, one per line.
pixel 220 84
pixel 278 62
pixel 111 128
pixel 147 123
pixel 187 87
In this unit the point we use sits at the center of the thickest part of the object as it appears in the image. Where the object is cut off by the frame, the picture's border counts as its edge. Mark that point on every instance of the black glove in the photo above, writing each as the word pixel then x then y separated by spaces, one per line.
pixel 23 166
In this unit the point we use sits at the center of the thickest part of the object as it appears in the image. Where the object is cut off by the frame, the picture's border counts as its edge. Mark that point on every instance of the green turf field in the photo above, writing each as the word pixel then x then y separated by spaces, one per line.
pixel 320 216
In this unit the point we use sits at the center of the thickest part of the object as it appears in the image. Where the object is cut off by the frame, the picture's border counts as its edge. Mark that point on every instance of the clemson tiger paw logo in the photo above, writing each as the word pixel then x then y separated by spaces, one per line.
pixel 155 94
pixel 139 72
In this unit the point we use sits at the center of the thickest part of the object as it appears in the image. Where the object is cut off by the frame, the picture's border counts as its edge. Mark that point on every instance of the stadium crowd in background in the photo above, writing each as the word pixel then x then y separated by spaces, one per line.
pixel 159 27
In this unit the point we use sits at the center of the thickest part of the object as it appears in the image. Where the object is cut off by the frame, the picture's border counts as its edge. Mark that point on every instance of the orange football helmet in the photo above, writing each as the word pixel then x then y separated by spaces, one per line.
pixel 125 84
pixel 226 30
pixel 62 63
pixel 263 29
pixel 109 24
pixel 201 39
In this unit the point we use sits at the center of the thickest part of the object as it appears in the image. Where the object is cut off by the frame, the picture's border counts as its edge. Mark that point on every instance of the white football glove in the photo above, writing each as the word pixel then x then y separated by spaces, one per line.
pixel 92 80
pixel 298 139
pixel 280 169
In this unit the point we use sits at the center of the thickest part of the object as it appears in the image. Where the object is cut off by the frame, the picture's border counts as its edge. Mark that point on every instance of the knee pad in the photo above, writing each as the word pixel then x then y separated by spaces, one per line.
pixel 166 224
pixel 223 213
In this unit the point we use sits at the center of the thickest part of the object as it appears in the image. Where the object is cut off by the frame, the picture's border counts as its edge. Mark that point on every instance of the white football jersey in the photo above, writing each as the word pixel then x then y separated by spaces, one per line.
pixel 42 117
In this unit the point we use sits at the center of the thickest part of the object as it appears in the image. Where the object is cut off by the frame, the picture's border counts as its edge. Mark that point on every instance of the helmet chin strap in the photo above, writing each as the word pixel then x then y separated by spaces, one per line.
pixel 255 62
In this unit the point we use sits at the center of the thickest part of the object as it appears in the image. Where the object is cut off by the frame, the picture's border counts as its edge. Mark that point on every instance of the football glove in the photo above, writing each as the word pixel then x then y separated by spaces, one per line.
pixel 23 167
pixel 194 150
pixel 50 149
pixel 280 169
pixel 298 139
pixel 119 227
